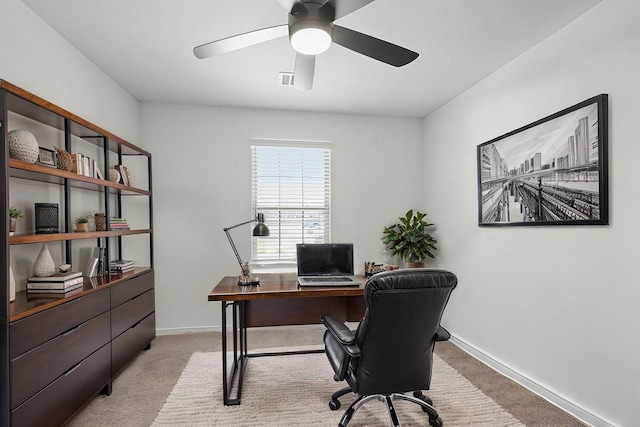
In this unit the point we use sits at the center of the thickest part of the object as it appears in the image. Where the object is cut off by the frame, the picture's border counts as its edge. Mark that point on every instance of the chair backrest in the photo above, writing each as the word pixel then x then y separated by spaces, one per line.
pixel 397 333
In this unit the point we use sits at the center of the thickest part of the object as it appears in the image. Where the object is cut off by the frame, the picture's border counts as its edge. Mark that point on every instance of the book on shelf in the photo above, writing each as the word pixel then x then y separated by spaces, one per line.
pixel 83 165
pixel 56 286
pixel 123 174
pixel 94 265
pixel 77 163
pixel 126 172
pixel 120 266
pixel 57 277
pixel 121 262
pixel 118 224
pixel 54 293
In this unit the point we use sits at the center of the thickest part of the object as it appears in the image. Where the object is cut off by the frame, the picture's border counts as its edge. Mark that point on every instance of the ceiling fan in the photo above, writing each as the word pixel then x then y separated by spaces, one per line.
pixel 311 31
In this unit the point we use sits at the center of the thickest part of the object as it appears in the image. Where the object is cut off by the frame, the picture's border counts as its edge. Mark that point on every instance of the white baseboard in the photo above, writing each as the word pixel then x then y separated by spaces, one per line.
pixel 190 330
pixel 578 412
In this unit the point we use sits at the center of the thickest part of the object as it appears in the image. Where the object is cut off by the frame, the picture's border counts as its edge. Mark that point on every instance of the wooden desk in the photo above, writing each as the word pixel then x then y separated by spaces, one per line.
pixel 277 301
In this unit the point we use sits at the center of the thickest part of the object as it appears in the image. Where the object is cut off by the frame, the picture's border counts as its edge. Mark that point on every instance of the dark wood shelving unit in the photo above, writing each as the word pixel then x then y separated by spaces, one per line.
pixel 59 352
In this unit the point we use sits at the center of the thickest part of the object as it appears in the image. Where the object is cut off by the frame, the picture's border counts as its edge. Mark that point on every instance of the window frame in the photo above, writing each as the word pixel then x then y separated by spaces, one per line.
pixel 283 265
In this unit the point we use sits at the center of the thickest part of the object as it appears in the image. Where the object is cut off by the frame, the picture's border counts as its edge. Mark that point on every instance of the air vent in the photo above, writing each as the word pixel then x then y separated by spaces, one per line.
pixel 286 79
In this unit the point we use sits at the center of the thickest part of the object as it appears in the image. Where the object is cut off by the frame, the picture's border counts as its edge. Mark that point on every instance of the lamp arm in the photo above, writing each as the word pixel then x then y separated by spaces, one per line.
pixel 233 246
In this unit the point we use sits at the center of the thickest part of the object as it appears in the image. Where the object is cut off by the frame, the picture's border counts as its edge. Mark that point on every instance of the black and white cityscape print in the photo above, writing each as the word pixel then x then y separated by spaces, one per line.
pixel 548 173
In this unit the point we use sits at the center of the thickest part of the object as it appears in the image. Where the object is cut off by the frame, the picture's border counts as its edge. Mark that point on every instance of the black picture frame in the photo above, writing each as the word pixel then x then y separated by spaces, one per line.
pixel 46 157
pixel 551 172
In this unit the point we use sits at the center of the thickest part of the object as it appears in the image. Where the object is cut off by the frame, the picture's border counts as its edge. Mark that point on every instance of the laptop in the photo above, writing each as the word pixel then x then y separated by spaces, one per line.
pixel 326 264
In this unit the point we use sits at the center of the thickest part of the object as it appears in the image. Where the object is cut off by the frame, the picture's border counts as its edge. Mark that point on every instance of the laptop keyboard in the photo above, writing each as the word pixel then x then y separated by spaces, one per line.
pixel 327 279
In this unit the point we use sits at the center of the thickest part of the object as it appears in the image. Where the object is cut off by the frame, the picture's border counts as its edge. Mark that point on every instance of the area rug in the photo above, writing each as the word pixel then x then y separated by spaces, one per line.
pixel 294 390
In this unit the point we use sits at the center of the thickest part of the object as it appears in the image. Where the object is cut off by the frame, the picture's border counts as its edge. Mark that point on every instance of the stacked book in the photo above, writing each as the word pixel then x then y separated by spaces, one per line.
pixel 59 284
pixel 118 224
pixel 121 266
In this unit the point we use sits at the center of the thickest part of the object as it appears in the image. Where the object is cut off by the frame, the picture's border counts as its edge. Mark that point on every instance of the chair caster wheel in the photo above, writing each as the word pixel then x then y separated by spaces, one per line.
pixel 426 399
pixel 435 422
pixel 334 405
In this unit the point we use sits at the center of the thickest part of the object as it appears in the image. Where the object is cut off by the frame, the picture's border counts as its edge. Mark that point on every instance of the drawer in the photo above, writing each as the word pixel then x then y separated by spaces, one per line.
pixel 56 403
pixel 35 369
pixel 131 312
pixel 128 289
pixel 32 331
pixel 125 347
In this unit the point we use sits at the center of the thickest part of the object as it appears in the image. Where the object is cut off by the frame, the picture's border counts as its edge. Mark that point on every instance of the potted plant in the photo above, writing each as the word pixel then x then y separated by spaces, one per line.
pixel 14 214
pixel 409 240
pixel 82 223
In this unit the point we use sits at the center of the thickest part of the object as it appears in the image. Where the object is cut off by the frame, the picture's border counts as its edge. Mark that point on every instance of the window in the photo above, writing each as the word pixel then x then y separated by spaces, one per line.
pixel 291 186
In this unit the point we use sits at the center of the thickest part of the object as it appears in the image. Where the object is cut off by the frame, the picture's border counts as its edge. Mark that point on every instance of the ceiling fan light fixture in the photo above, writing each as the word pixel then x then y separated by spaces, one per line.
pixel 312 39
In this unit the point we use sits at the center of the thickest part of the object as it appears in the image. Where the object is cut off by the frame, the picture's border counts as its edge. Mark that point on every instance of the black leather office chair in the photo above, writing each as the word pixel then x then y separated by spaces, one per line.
pixel 391 351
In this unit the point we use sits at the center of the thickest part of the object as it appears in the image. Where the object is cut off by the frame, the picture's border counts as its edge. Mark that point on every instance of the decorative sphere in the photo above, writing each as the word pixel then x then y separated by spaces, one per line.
pixel 22 146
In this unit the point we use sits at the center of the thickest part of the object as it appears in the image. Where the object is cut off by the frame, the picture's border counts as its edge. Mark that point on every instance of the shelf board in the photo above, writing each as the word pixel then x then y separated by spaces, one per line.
pixel 26 305
pixel 33 171
pixel 58 237
pixel 32 106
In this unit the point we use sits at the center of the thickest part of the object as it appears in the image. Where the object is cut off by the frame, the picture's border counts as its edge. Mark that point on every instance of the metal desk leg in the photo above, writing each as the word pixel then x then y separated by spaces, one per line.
pixel 239 334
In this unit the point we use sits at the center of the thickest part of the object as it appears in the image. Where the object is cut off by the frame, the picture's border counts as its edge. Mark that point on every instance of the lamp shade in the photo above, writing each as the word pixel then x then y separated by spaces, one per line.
pixel 260 230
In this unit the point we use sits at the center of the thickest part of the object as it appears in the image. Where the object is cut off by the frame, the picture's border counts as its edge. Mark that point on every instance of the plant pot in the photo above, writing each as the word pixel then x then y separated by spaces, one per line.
pixel 81 226
pixel 419 264
pixel 12 226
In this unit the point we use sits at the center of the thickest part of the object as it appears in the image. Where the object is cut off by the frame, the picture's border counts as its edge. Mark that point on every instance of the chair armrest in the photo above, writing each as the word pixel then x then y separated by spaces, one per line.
pixel 442 334
pixel 339 330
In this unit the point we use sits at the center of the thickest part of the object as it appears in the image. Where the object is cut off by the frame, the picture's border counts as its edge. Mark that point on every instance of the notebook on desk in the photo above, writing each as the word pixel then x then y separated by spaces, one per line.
pixel 326 264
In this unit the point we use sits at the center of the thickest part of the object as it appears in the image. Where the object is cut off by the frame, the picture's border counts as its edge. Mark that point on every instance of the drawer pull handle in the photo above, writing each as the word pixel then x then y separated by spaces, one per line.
pixel 136 324
pixel 70 331
pixel 72 369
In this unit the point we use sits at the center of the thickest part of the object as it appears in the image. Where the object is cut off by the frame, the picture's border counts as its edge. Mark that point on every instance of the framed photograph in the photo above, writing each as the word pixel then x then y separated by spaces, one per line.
pixel 550 172
pixel 46 157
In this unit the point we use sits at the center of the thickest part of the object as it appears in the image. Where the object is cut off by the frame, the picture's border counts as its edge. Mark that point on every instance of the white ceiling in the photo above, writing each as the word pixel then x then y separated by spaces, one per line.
pixel 146 47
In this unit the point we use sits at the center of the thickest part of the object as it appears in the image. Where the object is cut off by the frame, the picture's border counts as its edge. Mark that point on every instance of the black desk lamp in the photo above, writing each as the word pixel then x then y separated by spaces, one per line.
pixel 260 230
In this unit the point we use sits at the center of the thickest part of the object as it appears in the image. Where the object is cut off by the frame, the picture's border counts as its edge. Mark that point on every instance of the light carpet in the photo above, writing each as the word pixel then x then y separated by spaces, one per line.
pixel 294 390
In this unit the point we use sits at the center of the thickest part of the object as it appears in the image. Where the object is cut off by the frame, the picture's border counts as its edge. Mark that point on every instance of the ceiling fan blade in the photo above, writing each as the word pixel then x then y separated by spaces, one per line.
pixel 345 7
pixel 372 47
pixel 240 41
pixel 304 71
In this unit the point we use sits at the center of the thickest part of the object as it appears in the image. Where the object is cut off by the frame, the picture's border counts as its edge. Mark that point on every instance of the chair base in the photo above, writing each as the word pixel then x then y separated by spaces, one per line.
pixel 418 398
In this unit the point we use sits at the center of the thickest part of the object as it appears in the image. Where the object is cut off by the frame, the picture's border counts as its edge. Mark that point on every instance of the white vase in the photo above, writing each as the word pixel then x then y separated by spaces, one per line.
pixel 12 285
pixel 44 265
pixel 23 145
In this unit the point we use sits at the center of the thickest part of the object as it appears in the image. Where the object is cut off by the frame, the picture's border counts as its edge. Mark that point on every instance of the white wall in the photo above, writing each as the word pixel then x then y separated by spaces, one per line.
pixel 558 305
pixel 202 183
pixel 41 61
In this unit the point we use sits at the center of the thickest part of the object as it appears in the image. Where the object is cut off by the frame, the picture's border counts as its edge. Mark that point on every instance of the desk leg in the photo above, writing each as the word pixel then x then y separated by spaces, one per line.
pixel 239 336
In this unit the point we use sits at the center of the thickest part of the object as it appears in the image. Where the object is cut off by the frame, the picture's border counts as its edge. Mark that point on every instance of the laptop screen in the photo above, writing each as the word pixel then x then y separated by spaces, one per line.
pixel 325 259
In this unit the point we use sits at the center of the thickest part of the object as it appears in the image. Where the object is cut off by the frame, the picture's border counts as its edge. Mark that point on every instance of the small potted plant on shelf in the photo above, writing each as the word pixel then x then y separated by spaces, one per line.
pixel 409 240
pixel 82 223
pixel 14 214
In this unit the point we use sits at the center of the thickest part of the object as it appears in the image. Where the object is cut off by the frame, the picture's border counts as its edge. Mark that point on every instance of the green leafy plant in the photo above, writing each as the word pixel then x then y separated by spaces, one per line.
pixel 81 220
pixel 408 238
pixel 15 212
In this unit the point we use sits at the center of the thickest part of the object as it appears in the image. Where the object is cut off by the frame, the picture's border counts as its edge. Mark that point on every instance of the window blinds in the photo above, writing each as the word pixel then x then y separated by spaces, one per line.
pixel 291 187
